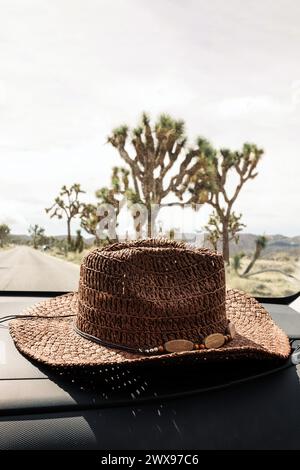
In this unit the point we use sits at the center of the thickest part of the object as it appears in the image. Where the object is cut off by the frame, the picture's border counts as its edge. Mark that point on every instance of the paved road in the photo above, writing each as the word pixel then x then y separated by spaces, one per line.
pixel 23 268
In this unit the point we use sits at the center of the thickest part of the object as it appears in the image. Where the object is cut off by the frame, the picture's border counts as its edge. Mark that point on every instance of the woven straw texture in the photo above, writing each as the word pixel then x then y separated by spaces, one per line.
pixel 140 295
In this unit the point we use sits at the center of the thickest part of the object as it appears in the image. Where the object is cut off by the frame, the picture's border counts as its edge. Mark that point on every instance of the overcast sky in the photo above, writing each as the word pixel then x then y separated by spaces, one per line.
pixel 71 70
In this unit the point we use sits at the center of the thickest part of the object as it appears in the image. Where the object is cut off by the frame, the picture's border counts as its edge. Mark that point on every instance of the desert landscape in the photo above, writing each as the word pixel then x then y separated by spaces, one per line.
pixel 275 274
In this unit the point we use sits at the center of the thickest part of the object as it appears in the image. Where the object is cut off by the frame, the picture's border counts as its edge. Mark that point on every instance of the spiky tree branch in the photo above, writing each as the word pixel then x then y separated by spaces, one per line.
pixel 210 184
pixel 214 228
pixel 152 154
pixel 260 245
pixel 67 205
pixel 37 234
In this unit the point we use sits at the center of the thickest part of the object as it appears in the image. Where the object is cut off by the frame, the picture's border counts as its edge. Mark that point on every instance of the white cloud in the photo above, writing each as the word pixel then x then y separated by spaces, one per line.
pixel 71 70
pixel 2 93
pixel 264 108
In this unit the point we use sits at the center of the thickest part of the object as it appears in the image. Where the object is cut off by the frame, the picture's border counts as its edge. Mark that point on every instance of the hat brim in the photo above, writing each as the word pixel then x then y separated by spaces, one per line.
pixel 49 336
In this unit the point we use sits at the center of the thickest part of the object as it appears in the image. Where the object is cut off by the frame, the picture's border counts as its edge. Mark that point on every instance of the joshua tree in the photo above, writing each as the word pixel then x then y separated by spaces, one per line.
pixel 4 234
pixel 236 262
pixel 89 220
pixel 156 152
pixel 210 183
pixel 214 228
pixel 67 205
pixel 260 245
pixel 79 243
pixel 37 234
pixel 113 196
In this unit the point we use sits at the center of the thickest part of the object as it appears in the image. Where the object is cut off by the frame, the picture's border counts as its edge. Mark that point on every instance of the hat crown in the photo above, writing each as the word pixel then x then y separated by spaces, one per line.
pixel 141 294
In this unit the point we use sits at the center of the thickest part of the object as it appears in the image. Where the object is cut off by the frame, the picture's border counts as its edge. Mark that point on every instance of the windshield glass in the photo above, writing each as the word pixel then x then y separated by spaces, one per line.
pixel 123 120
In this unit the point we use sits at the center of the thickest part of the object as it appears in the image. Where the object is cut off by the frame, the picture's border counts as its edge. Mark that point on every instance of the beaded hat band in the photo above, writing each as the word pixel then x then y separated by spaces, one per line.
pixel 215 341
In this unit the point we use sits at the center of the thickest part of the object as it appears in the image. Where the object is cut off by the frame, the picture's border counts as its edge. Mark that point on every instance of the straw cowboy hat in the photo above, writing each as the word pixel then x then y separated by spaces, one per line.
pixel 149 300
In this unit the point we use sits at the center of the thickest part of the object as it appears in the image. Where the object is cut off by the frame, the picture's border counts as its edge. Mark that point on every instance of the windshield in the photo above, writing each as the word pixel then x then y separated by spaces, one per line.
pixel 123 120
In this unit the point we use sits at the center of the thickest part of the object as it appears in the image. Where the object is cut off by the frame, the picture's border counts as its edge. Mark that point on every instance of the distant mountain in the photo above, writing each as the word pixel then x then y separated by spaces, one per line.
pixel 276 243
pixel 23 238
pixel 19 238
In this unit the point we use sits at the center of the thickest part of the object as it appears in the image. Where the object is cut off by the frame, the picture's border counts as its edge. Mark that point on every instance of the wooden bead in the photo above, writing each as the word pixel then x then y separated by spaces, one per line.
pixel 161 349
pixel 178 345
pixel 214 341
pixel 201 346
pixel 231 330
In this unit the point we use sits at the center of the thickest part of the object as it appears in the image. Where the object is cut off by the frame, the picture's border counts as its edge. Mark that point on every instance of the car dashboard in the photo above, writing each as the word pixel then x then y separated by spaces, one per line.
pixel 250 405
